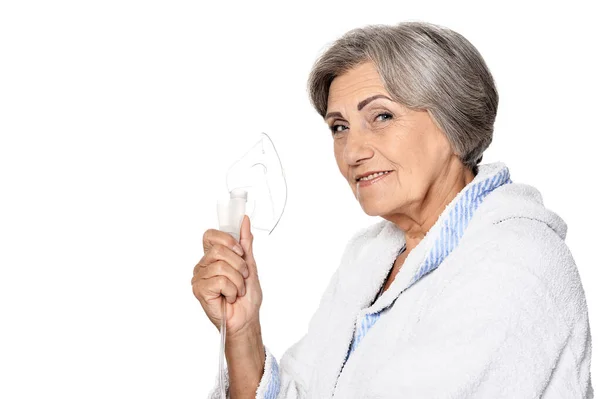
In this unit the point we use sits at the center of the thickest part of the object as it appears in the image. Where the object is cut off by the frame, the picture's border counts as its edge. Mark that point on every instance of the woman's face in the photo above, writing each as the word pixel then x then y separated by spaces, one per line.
pixel 376 134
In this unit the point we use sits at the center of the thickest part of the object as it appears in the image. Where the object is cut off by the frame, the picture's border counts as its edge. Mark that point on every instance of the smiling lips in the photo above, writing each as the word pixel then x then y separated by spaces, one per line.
pixel 366 181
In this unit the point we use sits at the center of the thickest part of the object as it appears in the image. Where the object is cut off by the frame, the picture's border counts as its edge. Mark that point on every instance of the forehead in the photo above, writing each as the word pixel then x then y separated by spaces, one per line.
pixel 355 84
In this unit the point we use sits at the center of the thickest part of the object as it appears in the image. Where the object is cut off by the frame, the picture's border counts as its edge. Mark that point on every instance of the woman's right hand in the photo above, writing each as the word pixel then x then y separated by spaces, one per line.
pixel 221 272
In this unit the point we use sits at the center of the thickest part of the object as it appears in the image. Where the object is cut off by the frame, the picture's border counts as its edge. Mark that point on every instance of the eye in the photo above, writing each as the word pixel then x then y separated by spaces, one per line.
pixel 335 128
pixel 390 116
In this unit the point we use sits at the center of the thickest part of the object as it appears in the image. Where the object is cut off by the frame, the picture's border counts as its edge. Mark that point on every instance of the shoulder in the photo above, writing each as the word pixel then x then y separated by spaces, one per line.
pixel 528 240
pixel 512 226
pixel 523 242
pixel 521 259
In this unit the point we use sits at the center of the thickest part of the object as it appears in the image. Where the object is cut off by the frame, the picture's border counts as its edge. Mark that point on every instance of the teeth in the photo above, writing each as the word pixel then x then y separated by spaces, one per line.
pixel 372 176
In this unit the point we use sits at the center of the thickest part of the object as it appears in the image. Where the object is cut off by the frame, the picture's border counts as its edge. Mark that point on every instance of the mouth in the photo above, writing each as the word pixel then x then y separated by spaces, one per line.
pixel 369 180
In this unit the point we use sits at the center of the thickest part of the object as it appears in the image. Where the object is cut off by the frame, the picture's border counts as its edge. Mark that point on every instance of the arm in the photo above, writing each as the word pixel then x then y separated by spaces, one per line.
pixel 245 355
pixel 253 372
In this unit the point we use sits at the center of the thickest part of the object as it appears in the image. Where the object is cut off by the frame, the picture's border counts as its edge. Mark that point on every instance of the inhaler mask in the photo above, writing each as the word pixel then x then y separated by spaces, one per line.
pixel 257 187
pixel 255 182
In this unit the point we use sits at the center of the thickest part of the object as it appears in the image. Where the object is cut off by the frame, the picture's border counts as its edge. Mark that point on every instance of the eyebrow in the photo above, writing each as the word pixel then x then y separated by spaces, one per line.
pixel 360 105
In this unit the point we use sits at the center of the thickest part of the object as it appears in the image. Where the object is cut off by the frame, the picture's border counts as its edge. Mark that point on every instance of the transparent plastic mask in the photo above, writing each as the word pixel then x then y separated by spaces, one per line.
pixel 259 172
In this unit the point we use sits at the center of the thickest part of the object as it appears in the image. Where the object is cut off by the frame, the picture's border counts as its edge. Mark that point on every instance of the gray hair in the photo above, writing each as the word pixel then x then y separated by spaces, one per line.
pixel 422 66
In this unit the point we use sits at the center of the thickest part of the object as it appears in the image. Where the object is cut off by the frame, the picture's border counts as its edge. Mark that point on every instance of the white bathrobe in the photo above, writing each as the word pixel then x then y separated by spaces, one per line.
pixel 488 305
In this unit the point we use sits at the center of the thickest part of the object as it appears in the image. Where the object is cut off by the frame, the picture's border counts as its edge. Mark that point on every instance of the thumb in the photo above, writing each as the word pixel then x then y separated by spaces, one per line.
pixel 246 238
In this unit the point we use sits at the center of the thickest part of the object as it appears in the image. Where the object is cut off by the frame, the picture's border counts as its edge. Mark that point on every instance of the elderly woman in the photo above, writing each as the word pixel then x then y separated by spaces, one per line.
pixel 465 288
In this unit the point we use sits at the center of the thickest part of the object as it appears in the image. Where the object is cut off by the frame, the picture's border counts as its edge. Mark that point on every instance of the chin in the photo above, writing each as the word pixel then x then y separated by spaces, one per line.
pixel 372 210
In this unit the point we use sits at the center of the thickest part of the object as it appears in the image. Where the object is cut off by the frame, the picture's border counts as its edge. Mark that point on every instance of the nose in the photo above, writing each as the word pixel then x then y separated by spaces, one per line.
pixel 357 149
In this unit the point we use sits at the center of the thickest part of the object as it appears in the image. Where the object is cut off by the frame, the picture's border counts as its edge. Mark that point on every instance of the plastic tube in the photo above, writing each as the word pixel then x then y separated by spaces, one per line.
pixel 222 350
pixel 230 213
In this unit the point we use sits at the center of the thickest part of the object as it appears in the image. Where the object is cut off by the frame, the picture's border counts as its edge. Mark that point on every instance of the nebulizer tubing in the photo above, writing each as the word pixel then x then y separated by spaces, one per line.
pixel 222 350
pixel 258 174
pixel 230 213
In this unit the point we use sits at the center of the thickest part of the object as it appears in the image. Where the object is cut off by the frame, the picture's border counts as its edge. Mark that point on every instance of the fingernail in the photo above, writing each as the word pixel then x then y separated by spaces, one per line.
pixel 245 273
pixel 238 250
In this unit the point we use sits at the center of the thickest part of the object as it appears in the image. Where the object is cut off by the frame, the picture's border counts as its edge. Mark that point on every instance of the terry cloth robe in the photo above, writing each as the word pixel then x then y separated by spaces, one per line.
pixel 488 305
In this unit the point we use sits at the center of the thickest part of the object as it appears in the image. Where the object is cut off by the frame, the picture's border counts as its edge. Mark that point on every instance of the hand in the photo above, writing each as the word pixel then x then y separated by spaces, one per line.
pixel 220 272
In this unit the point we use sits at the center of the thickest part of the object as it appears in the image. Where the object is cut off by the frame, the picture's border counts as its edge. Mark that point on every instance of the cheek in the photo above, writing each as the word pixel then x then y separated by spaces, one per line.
pixel 339 159
pixel 413 174
pixel 416 153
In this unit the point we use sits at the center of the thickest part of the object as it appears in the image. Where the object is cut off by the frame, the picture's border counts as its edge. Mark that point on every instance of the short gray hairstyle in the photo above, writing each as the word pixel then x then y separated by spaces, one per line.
pixel 422 66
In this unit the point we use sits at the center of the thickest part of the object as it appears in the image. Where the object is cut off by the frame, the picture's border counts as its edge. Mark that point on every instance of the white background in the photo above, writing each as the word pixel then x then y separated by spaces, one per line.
pixel 118 120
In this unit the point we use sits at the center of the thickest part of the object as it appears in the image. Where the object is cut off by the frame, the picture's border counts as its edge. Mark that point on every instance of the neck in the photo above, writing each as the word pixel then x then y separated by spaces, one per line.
pixel 422 215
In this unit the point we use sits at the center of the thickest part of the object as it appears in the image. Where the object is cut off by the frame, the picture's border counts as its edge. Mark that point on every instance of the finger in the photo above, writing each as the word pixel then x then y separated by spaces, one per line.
pixel 246 237
pixel 221 268
pixel 246 241
pixel 219 252
pixel 212 237
pixel 221 285
pixel 213 288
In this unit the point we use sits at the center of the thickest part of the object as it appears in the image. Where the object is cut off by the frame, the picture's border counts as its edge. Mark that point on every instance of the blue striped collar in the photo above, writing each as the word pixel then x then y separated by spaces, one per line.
pixel 458 218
